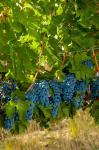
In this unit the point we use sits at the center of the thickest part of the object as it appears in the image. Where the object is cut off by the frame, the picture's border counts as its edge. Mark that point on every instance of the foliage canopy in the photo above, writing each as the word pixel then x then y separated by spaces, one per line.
pixel 35 35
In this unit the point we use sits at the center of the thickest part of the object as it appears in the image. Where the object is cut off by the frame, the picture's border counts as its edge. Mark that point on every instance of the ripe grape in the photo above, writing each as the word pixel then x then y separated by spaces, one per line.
pixel 8 122
pixel 80 90
pixel 88 63
pixel 39 93
pixel 16 116
pixel 94 88
pixel 55 98
pixel 29 112
pixel 68 87
pixel 6 89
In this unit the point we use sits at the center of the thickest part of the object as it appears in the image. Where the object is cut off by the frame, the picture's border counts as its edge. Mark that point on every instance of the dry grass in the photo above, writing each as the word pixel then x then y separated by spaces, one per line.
pixel 80 133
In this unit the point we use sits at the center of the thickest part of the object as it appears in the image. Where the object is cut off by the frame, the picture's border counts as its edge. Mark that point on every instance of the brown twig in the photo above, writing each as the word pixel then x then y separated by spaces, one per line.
pixel 96 61
pixel 34 79
pixel 65 55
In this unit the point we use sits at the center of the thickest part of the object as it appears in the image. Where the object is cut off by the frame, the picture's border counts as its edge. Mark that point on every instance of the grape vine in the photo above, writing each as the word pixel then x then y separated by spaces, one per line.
pixel 38 40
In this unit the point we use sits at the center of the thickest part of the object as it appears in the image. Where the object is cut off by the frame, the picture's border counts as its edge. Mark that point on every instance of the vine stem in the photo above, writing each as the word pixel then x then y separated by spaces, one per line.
pixel 38 67
pixel 34 79
pixel 96 61
pixel 64 58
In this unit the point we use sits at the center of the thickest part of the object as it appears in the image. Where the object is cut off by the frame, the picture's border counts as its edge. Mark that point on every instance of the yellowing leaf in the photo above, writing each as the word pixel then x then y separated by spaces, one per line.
pixel 59 10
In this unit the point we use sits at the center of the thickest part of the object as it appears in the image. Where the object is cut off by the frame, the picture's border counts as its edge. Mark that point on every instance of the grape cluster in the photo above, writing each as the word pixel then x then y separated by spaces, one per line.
pixel 88 63
pixel 55 96
pixel 46 93
pixel 16 115
pixel 39 93
pixel 80 90
pixel 68 87
pixel 29 112
pixel 53 93
pixel 49 93
pixel 94 88
pixel 6 89
pixel 8 122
